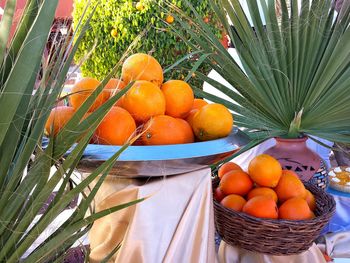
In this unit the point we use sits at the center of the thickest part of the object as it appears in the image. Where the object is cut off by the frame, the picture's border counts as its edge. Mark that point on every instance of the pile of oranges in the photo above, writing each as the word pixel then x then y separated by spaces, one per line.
pixel 166 112
pixel 266 191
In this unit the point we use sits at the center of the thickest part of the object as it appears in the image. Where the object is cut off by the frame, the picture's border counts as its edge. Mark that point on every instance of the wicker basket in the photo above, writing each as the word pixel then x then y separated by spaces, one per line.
pixel 274 237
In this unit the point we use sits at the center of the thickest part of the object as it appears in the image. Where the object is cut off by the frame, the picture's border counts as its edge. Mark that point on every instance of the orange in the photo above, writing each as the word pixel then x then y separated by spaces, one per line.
pixel 265 170
pixel 226 167
pixel 163 129
pixel 58 117
pixel 261 206
pixel 83 89
pixel 190 117
pixel 236 182
pixel 218 194
pixel 116 127
pixel 142 67
pixel 234 202
pixel 169 19
pixel 295 209
pixel 187 130
pixel 114 85
pixel 290 172
pixel 144 100
pixel 179 98
pixel 212 121
pixel 262 191
pixel 198 104
pixel 310 199
pixel 289 186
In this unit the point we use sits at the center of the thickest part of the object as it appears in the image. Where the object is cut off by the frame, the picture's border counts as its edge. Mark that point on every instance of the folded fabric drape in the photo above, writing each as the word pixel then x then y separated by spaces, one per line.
pixel 175 224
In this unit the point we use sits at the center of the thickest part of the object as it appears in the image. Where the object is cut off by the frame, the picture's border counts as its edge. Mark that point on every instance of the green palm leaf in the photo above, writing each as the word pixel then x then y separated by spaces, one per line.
pixel 295 75
pixel 24 112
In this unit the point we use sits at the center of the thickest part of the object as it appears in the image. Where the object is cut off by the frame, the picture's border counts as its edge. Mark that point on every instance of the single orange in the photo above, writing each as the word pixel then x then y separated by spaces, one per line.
pixel 262 191
pixel 114 85
pixel 170 19
pixel 58 117
pixel 236 182
pixel 142 67
pixel 234 202
pixel 289 186
pixel 116 127
pixel 144 100
pixel 179 98
pixel 212 121
pixel 218 194
pixel 290 172
pixel 83 89
pixel 261 206
pixel 295 209
pixel 310 199
pixel 265 170
pixel 163 129
pixel 227 167
pixel 190 117
pixel 187 130
pixel 198 104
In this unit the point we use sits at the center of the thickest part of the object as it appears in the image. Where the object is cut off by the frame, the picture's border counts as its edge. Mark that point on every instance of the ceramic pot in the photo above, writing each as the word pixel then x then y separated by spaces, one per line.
pixel 293 154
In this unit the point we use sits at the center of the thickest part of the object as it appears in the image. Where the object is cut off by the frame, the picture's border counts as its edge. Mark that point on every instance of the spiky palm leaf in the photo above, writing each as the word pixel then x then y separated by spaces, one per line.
pixel 295 78
pixel 24 112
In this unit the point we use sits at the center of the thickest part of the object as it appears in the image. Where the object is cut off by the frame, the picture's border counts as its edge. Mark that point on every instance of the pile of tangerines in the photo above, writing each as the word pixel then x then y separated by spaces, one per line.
pixel 266 191
pixel 167 113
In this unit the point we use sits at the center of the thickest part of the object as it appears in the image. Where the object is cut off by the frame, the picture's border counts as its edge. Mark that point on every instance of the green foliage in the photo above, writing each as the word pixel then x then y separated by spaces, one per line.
pixel 25 104
pixel 295 75
pixel 116 23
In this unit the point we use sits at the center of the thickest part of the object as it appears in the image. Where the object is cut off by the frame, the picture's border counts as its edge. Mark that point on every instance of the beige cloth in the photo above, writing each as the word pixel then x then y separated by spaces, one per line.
pixel 175 224
pixel 230 254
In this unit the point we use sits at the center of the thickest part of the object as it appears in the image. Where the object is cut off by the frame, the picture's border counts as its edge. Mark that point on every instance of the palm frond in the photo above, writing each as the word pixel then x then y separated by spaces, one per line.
pixel 297 63
pixel 26 176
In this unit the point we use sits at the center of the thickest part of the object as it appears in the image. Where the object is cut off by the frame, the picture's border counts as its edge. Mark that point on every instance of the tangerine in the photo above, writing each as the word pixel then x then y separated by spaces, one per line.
pixel 141 66
pixel 261 206
pixel 58 117
pixel 179 98
pixel 236 182
pixel 262 191
pixel 310 199
pixel 116 127
pixel 198 104
pixel 83 89
pixel 289 186
pixel 295 208
pixel 144 100
pixel 212 121
pixel 265 170
pixel 226 167
pixel 234 202
pixel 163 129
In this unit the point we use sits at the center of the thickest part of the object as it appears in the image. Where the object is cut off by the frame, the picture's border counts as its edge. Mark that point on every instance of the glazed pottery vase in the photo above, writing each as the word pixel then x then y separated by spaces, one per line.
pixel 293 154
